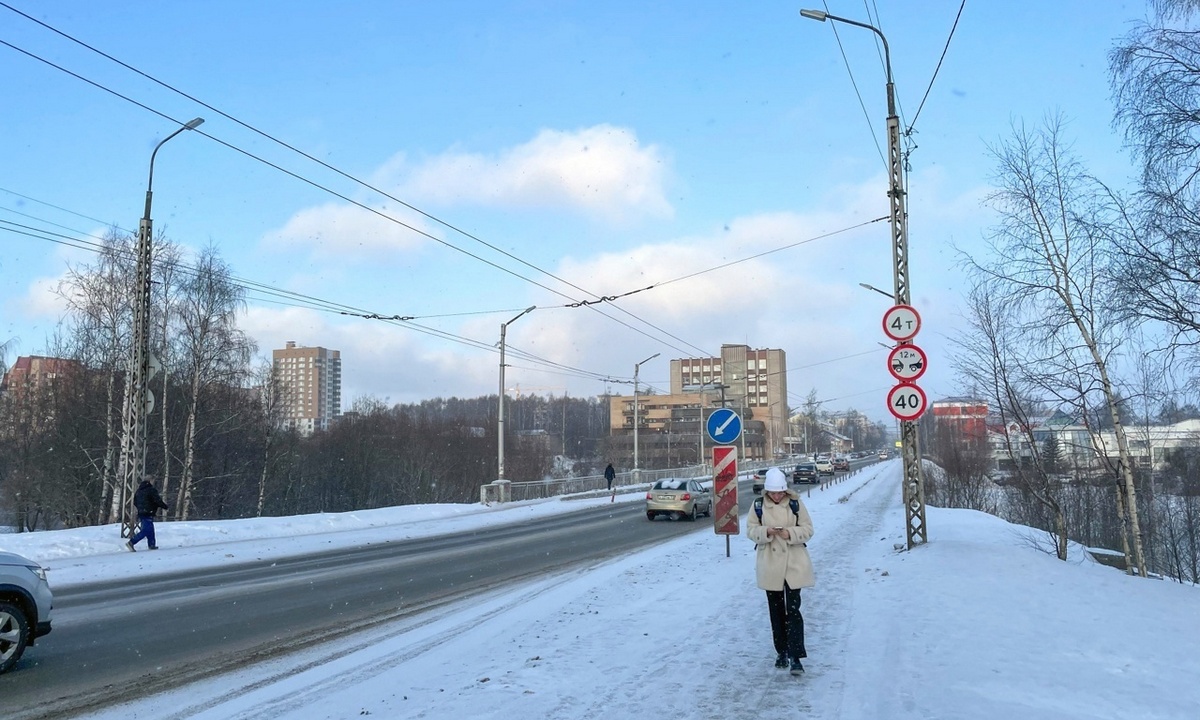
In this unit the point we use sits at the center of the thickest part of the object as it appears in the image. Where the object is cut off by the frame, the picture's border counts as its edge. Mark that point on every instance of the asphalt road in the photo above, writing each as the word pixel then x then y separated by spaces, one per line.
pixel 114 642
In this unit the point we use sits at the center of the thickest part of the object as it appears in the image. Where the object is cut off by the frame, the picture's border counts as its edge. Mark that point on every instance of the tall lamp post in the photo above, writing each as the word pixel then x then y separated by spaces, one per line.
pixel 137 404
pixel 914 484
pixel 500 413
pixel 636 367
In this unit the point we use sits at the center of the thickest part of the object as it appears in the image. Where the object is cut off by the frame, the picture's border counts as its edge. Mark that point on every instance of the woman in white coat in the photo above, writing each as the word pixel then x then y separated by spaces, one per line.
pixel 780 526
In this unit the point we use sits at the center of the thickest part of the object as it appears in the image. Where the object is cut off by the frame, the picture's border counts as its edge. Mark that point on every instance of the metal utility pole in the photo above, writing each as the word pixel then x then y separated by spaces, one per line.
pixel 636 367
pixel 914 482
pixel 500 412
pixel 138 402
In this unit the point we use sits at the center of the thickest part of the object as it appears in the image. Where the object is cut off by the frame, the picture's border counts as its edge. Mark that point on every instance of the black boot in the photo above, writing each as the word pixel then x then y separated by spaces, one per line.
pixel 797 668
pixel 781 660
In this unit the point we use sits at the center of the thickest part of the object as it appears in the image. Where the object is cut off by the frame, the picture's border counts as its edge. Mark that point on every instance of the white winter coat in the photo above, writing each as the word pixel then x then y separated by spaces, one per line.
pixel 780 559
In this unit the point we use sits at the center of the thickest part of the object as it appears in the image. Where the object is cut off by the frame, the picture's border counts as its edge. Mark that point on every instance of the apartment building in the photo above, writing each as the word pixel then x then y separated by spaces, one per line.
pixel 754 383
pixel 311 380
pixel 35 371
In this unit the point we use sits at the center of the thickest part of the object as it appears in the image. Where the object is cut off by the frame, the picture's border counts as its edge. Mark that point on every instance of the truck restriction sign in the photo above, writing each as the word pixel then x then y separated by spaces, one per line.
pixel 901 322
pixel 906 363
pixel 906 401
pixel 725 490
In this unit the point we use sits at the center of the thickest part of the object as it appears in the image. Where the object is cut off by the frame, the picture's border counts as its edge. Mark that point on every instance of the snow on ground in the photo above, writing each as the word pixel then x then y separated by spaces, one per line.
pixel 977 623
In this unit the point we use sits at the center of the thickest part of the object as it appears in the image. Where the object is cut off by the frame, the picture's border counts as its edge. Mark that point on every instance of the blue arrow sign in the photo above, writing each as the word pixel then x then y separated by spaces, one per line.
pixel 724 426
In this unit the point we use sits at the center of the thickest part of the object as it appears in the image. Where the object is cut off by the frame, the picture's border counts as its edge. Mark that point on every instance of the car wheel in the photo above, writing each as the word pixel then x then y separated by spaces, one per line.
pixel 650 516
pixel 692 515
pixel 14 635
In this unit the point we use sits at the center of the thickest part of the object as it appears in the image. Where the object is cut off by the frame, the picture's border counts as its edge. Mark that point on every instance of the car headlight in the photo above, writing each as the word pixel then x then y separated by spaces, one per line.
pixel 38 570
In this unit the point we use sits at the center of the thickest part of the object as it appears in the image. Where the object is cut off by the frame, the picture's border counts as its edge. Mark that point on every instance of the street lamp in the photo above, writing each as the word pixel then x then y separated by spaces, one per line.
pixel 636 367
pixel 500 415
pixel 132 462
pixel 884 293
pixel 914 484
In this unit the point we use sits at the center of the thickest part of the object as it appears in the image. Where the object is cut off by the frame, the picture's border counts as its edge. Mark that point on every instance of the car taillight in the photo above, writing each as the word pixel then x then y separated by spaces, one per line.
pixel 686 497
pixel 649 496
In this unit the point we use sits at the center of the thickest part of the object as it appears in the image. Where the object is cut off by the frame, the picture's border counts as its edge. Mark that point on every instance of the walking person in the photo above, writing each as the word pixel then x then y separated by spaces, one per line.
pixel 780 528
pixel 610 475
pixel 147 501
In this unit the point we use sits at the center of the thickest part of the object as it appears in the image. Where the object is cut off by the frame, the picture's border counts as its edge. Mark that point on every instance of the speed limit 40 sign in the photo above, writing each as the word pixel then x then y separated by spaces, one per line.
pixel 906 401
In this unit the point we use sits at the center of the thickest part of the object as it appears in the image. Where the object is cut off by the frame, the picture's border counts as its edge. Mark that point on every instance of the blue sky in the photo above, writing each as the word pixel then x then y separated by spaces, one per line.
pixel 614 145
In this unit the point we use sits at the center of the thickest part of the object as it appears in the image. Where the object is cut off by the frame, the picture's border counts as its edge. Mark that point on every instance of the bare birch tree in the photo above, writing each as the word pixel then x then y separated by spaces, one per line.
pixel 995 360
pixel 1155 76
pixel 1056 230
pixel 99 320
pixel 212 349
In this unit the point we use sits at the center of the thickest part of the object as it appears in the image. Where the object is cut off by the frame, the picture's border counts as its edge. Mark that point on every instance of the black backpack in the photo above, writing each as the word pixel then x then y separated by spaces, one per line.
pixel 792 502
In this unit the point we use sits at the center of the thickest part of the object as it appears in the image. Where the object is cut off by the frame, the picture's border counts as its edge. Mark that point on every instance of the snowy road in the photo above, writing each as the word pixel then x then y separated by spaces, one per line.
pixel 608 641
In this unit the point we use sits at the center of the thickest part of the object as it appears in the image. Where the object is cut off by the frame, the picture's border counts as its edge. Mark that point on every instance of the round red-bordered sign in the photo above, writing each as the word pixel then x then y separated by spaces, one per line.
pixel 906 362
pixel 901 322
pixel 906 401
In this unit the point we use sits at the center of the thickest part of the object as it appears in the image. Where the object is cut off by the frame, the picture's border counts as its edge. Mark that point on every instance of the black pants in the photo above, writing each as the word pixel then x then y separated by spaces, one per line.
pixel 787 624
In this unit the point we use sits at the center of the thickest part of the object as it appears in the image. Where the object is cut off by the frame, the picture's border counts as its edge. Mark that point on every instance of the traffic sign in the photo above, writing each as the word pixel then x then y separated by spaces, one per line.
pixel 724 426
pixel 906 401
pixel 906 362
pixel 901 322
pixel 725 490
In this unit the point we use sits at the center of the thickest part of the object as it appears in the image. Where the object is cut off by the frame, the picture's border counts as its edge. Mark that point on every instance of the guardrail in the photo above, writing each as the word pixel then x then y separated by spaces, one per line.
pixel 507 491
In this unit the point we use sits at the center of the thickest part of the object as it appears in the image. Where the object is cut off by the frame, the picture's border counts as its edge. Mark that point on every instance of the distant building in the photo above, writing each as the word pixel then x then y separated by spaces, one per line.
pixel 671 426
pixel 755 384
pixel 34 371
pixel 311 382
pixel 966 417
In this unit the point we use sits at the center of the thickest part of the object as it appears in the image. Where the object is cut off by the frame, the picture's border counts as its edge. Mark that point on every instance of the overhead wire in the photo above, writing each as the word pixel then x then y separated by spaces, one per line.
pixel 355 180
pixel 846 60
pixel 937 69
pixel 377 316
pixel 310 302
pixel 581 303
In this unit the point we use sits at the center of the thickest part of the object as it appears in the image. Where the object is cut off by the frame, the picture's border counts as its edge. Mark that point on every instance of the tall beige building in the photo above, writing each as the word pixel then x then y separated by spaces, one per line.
pixel 311 378
pixel 755 384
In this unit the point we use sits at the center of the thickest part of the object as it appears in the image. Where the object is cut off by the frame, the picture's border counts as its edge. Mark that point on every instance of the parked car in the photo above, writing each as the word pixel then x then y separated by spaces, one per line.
pixel 678 498
pixel 25 606
pixel 883 455
pixel 824 466
pixel 841 463
pixel 806 473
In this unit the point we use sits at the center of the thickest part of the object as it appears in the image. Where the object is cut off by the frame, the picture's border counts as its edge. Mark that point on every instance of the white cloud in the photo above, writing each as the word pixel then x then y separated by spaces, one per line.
pixel 341 230
pixel 602 170
pixel 804 299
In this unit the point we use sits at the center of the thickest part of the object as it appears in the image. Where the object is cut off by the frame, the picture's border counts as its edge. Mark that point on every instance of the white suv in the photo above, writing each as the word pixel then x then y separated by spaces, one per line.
pixel 25 606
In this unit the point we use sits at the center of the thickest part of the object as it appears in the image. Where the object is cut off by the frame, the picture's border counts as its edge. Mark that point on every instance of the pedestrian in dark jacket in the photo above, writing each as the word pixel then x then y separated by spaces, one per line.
pixel 147 501
pixel 610 475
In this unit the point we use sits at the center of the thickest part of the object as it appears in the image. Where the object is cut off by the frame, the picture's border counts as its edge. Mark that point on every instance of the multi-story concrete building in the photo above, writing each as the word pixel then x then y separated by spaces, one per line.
pixel 671 426
pixel 311 381
pixel 754 383
pixel 36 371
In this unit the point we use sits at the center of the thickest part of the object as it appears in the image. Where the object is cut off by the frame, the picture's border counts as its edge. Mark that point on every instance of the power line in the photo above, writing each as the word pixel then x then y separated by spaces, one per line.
pixel 938 68
pixel 854 84
pixel 309 302
pixel 345 175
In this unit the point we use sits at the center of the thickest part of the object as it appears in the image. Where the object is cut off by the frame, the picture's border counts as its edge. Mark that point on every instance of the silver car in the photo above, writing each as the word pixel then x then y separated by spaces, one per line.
pixel 677 498
pixel 25 606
